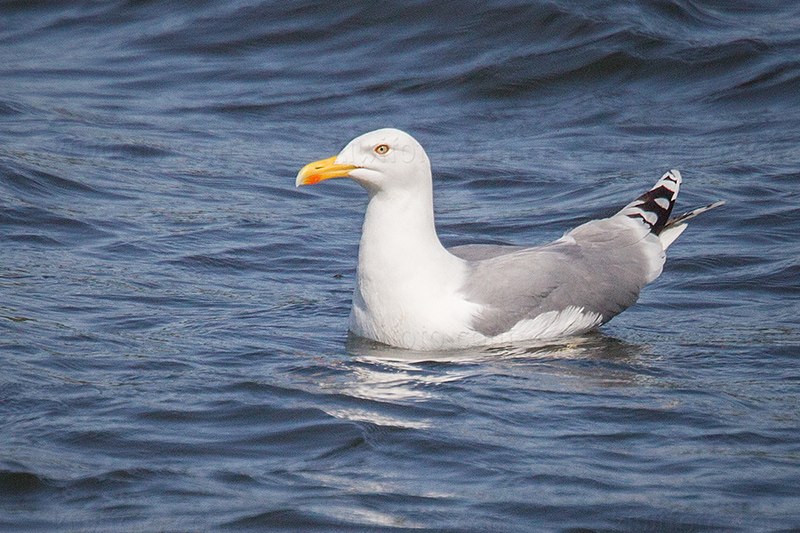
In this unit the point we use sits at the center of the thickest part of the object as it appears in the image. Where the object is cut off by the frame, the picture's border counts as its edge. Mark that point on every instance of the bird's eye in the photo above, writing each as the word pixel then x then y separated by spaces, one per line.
pixel 381 149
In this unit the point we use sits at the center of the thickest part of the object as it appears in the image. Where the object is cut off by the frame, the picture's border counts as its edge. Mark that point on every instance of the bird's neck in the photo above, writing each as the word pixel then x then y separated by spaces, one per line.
pixel 408 289
pixel 399 235
pixel 406 281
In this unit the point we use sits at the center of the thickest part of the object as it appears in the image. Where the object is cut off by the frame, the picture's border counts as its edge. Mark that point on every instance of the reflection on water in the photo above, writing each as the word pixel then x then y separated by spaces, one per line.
pixel 430 380
pixel 591 345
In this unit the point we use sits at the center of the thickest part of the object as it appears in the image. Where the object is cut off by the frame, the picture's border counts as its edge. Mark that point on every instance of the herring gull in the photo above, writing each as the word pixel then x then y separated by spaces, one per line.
pixel 412 292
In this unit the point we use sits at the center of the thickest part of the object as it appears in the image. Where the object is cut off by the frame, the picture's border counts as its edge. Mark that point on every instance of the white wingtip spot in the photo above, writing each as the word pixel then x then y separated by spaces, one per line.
pixel 663 203
pixel 650 217
pixel 675 175
pixel 670 185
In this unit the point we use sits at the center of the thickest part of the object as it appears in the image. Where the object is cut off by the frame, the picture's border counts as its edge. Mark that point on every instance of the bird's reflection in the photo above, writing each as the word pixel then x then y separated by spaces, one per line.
pixel 594 345
pixel 436 380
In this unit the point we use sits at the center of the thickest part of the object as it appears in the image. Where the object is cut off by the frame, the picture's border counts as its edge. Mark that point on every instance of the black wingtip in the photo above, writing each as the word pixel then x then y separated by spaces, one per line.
pixel 655 206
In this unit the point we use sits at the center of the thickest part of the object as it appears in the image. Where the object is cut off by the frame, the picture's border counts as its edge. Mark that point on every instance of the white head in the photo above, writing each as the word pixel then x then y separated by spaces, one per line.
pixel 381 160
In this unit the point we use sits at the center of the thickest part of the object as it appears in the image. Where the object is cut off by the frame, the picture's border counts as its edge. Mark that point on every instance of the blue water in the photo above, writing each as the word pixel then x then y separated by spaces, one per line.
pixel 173 312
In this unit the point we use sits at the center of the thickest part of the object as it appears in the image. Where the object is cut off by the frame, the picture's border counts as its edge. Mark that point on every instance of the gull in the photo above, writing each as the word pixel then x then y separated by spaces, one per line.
pixel 412 292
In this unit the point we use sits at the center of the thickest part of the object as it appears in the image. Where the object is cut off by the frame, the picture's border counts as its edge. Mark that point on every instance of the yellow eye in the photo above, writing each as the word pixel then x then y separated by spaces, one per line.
pixel 381 149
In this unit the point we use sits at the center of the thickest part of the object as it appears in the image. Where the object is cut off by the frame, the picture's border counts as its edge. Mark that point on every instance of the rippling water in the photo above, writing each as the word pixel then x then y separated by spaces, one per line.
pixel 173 312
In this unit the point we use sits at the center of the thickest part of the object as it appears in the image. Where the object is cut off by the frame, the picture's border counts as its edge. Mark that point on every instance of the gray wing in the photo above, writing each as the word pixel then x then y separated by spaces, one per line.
pixel 600 266
pixel 477 252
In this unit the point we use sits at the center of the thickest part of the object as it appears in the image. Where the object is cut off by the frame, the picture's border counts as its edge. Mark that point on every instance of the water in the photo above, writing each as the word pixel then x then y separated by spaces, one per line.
pixel 173 347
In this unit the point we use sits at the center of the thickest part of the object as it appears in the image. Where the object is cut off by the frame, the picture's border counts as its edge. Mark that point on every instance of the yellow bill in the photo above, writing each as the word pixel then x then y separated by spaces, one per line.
pixel 322 170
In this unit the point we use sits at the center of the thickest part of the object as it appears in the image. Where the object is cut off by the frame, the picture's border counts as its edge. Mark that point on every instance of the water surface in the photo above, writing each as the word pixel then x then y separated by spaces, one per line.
pixel 173 312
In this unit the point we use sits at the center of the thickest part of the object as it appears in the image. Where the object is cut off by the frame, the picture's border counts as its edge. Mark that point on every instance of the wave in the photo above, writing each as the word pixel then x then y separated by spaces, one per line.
pixel 501 50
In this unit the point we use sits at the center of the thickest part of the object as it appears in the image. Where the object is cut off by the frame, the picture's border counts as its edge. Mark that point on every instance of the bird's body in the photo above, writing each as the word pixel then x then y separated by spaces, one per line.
pixel 411 292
